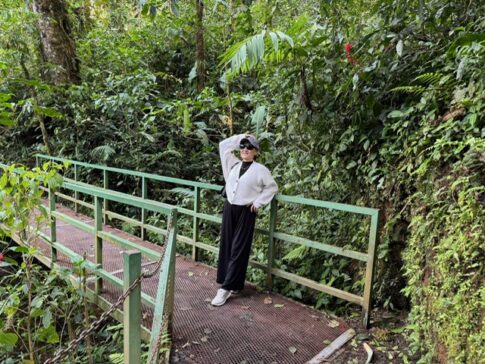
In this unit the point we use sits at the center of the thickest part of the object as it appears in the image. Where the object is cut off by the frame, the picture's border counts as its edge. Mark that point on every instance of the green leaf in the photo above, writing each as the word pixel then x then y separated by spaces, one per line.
pixel 351 165
pixel 48 111
pixel 174 7
pixel 463 40
pixel 117 358
pixel 20 249
pixel 103 153
pixel 395 114
pixel 295 253
pixel 48 335
pixel 399 47
pixel 187 121
pixel 47 318
pixel 257 118
pixel 8 339
pixel 7 122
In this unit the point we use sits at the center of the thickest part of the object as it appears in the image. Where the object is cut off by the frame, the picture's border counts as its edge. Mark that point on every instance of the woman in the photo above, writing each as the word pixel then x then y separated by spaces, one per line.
pixel 249 186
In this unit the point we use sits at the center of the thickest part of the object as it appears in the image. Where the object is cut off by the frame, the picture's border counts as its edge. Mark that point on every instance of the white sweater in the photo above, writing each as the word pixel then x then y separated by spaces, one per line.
pixel 256 186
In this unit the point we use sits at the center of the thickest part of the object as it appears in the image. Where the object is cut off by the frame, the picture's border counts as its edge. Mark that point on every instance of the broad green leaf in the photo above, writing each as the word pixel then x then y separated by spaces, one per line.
pixel 48 111
pixel 258 118
pixel 399 47
pixel 8 339
pixel 48 335
pixel 395 114
pixel 47 318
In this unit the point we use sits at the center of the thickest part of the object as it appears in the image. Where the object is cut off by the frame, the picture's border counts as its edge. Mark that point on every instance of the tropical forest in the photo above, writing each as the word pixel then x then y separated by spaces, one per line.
pixel 368 115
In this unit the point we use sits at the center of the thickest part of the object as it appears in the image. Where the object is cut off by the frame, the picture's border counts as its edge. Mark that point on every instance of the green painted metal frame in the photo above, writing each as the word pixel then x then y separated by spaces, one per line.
pixel 132 308
pixel 163 315
pixel 368 257
pixel 132 259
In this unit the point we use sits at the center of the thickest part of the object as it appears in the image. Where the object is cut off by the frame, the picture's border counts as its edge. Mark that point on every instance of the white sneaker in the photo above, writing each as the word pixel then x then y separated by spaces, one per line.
pixel 221 297
pixel 235 292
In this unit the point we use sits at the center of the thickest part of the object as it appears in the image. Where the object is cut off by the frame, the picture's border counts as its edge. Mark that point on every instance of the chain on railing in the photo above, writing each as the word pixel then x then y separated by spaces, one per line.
pixel 60 354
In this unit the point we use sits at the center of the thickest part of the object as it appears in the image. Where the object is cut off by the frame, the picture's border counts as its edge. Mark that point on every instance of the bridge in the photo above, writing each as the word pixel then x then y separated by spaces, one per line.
pixel 168 294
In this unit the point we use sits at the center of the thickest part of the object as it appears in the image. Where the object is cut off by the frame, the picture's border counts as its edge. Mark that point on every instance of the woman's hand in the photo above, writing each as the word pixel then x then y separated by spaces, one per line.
pixel 253 208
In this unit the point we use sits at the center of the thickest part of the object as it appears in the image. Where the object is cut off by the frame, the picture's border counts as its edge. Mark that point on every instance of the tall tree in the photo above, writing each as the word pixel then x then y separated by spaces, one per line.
pixel 199 44
pixel 57 46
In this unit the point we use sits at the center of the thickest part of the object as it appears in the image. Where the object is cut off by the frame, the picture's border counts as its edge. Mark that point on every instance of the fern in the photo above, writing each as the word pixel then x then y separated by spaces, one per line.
pixel 102 153
pixel 433 81
pixel 430 78
pixel 415 90
pixel 247 54
pixel 296 253
pixel 183 191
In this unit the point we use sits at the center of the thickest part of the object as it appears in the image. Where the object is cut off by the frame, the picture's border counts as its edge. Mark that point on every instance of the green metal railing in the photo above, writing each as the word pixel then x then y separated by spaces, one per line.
pixel 271 232
pixel 131 315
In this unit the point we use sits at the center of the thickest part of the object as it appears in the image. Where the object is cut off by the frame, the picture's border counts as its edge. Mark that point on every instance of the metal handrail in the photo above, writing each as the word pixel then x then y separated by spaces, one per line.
pixel 163 303
pixel 368 257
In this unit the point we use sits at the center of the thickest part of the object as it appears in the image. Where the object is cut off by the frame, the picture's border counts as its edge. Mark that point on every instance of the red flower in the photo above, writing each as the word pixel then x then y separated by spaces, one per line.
pixel 348 48
pixel 1 257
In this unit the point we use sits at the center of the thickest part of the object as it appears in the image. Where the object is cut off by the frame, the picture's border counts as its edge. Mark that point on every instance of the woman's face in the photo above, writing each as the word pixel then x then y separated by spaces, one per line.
pixel 247 155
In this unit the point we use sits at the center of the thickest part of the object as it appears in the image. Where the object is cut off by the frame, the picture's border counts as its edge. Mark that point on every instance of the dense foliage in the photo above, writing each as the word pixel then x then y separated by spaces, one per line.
pixel 39 309
pixel 376 103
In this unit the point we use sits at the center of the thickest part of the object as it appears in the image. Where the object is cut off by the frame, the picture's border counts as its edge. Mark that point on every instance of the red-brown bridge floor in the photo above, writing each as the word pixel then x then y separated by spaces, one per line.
pixel 252 327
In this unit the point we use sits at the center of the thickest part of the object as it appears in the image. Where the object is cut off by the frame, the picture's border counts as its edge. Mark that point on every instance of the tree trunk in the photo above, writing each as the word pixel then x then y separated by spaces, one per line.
pixel 199 43
pixel 305 95
pixel 57 47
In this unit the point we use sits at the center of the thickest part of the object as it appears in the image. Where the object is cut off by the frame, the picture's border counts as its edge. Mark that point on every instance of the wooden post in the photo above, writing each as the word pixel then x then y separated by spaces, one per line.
pixel 369 270
pixel 98 242
pixel 143 211
pixel 272 228
pixel 76 193
pixel 132 308
pixel 196 221
pixel 52 208
pixel 105 201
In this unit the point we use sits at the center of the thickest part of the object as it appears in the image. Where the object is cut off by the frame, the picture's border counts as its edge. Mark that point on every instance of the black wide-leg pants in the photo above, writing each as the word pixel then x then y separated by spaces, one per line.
pixel 236 239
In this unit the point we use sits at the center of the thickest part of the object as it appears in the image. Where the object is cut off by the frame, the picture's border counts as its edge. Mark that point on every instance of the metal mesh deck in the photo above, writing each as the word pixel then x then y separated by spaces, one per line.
pixel 247 329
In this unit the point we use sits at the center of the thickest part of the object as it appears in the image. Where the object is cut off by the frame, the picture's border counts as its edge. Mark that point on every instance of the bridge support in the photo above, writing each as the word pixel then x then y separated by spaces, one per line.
pixel 369 270
pixel 272 228
pixel 195 231
pixel 132 308
pixel 98 241
pixel 105 201
pixel 76 193
pixel 144 195
pixel 52 208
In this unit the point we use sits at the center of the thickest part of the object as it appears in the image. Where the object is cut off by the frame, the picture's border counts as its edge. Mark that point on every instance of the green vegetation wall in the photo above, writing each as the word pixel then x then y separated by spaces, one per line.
pixel 376 103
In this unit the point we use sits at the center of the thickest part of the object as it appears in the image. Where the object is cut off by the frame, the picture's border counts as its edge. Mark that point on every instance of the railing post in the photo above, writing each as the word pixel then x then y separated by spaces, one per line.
pixel 53 221
pixel 165 292
pixel 105 201
pixel 143 211
pixel 369 270
pixel 98 242
pixel 76 193
pixel 132 308
pixel 272 228
pixel 196 220
pixel 173 241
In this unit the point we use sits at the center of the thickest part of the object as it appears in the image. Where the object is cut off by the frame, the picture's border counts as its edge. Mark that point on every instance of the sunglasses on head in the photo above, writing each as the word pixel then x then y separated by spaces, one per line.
pixel 248 146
